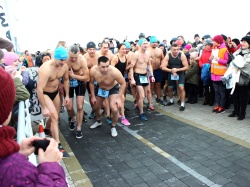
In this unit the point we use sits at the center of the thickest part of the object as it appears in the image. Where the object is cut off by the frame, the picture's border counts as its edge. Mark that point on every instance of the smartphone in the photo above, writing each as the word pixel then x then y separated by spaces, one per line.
pixel 19 66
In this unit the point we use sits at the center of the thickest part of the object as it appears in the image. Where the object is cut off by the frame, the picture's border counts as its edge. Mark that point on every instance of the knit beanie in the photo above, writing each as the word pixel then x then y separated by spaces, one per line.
pixel 218 39
pixel 61 53
pixel 236 40
pixel 7 95
pixel 9 58
pixel 91 45
pixel 187 46
pixel 1 54
pixel 246 38
pixel 5 44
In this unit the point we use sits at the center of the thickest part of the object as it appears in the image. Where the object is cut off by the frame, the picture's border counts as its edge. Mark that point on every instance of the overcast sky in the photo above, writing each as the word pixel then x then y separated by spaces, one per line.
pixel 40 24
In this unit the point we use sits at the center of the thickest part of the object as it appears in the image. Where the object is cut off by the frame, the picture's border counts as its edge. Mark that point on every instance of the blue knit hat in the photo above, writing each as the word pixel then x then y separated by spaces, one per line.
pixel 127 45
pixel 142 40
pixel 61 53
pixel 153 39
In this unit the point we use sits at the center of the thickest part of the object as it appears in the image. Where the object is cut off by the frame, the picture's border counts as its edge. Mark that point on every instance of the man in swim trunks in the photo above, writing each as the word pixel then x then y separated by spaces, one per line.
pixel 79 74
pixel 138 73
pixel 157 56
pixel 49 75
pixel 91 56
pixel 108 79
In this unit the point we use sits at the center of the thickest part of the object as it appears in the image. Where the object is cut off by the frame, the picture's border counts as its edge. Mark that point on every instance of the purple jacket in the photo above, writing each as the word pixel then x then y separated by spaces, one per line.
pixel 17 171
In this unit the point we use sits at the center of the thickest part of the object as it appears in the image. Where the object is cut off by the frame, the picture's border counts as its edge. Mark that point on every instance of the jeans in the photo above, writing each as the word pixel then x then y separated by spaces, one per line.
pixel 219 90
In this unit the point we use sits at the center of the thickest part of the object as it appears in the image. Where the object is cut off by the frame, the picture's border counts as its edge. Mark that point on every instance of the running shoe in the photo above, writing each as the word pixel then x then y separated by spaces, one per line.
pixel 96 124
pixel 151 108
pixel 216 108
pixel 79 134
pixel 72 125
pixel 160 102
pixel 143 117
pixel 124 121
pixel 113 132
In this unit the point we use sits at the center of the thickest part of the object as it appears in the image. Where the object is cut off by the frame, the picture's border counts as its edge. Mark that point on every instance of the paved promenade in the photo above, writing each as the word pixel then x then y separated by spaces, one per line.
pixel 177 149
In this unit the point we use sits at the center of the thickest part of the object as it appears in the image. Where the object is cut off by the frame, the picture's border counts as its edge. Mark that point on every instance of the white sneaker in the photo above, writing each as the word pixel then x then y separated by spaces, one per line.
pixel 113 132
pixel 96 124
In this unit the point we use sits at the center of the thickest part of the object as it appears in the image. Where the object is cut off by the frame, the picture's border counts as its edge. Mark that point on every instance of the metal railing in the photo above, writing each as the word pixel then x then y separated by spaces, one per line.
pixel 24 128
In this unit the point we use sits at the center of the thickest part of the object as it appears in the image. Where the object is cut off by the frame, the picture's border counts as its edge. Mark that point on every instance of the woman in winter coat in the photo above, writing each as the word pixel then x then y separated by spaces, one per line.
pixel 241 92
pixel 16 170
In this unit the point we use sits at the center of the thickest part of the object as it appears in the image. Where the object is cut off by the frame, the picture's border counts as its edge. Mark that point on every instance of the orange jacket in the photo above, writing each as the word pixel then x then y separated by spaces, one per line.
pixel 218 68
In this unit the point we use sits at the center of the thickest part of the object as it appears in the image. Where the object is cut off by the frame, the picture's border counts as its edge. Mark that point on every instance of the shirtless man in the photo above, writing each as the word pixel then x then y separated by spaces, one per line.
pixel 92 59
pixel 138 73
pixel 108 79
pixel 104 51
pixel 79 73
pixel 175 62
pixel 49 75
pixel 157 56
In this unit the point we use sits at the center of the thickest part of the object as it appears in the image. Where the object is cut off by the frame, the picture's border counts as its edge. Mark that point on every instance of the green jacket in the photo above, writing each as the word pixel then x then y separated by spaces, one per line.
pixel 192 74
pixel 21 92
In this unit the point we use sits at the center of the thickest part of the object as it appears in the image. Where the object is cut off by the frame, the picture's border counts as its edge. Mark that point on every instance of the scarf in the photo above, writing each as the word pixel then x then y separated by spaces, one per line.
pixel 7 143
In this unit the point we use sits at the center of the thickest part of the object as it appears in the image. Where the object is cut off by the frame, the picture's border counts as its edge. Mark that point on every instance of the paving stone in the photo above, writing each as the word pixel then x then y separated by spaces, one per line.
pixel 218 179
pixel 101 184
pixel 165 176
pixel 241 181
pixel 228 174
pixel 121 166
pixel 205 171
pixel 243 163
pixel 134 181
pixel 191 181
pixel 147 176
pixel 231 185
pixel 181 174
pixel 119 183
pixel 156 182
pixel 134 163
pixel 148 162
pixel 193 164
pixel 224 162
pixel 140 169
pixel 175 182
pixel 218 168
pixel 141 185
pixel 244 173
pixel 157 169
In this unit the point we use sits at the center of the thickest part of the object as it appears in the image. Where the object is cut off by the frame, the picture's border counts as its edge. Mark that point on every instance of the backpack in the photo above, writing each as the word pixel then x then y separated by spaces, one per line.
pixel 205 74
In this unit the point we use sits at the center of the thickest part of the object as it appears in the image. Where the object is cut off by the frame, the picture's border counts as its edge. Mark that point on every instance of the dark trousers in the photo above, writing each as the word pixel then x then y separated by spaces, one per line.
pixel 219 90
pixel 240 100
pixel 209 92
pixel 192 92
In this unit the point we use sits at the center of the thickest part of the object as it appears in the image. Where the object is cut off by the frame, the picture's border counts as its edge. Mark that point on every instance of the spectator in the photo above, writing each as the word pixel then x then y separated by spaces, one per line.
pixel 219 60
pixel 241 92
pixel 192 79
pixel 29 58
pixel 204 64
pixel 16 170
pixel 196 40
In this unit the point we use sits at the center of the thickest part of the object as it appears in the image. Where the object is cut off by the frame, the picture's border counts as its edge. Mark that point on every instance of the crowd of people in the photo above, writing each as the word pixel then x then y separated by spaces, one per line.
pixel 216 68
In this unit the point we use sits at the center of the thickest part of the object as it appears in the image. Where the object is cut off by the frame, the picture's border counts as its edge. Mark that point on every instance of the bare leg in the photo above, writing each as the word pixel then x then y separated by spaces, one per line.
pixel 80 102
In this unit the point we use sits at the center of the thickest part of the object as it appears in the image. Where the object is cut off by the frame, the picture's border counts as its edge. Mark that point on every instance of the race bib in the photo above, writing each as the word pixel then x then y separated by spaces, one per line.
pixel 103 93
pixel 73 83
pixel 174 78
pixel 143 79
pixel 95 83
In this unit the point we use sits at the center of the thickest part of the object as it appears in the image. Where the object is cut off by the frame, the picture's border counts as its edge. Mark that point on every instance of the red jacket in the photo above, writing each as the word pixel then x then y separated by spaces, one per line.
pixel 204 58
